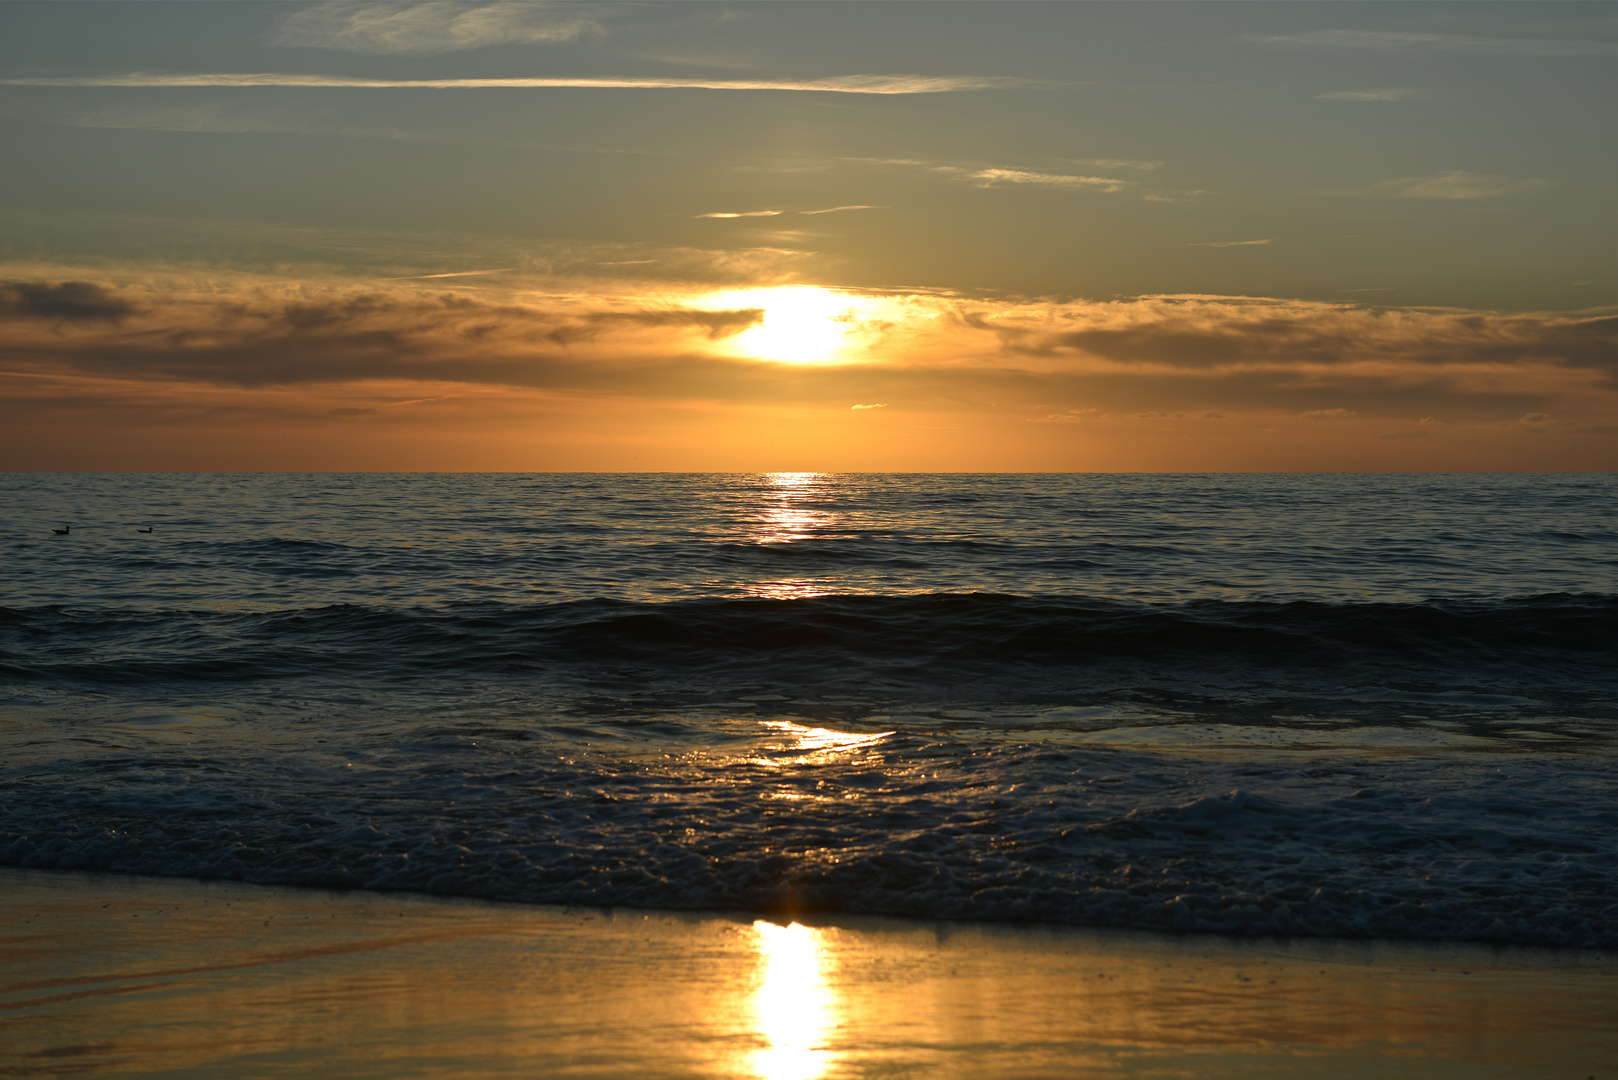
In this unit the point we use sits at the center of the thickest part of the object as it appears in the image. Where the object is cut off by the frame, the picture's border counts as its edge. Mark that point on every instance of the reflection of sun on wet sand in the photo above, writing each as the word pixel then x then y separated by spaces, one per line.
pixel 118 976
pixel 792 1003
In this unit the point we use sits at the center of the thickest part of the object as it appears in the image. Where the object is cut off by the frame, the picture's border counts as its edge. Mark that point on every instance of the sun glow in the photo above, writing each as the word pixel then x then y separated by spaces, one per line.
pixel 801 323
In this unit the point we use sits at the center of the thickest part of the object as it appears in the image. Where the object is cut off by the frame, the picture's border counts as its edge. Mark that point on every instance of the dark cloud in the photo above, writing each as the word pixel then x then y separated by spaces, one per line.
pixel 67 301
pixel 718 323
pixel 1210 338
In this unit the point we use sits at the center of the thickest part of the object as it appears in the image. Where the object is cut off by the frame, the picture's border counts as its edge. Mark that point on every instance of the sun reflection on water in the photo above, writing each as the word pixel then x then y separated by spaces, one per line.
pixel 793 1003
pixel 823 741
pixel 788 589
pixel 787 514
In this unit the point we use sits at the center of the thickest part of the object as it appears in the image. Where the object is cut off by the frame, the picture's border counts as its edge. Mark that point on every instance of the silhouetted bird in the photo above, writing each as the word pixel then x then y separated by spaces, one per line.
pixel 63 531
pixel 143 530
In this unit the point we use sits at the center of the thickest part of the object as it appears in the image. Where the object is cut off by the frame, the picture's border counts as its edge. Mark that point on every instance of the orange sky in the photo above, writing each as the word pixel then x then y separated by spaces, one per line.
pixel 1332 237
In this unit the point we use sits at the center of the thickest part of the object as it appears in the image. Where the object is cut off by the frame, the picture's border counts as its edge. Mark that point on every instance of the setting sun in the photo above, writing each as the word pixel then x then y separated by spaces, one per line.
pixel 801 323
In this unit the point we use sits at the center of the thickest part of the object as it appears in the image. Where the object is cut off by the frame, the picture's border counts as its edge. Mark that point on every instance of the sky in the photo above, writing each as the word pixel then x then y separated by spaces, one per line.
pixel 974 236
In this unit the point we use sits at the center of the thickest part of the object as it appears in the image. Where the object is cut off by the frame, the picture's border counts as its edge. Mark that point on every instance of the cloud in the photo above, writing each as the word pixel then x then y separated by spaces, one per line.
pixel 1457 184
pixel 1118 163
pixel 997 175
pixel 299 335
pixel 1387 93
pixel 439 26
pixel 186 337
pixel 457 273
pixel 838 84
pixel 68 301
pixel 840 209
pixel 1230 243
pixel 1394 40
pixel 856 408
pixel 718 324
pixel 991 177
pixel 741 213
pixel 1183 333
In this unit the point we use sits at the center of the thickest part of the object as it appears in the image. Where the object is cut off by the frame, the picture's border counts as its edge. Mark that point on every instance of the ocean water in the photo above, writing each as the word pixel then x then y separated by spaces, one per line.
pixel 1344 706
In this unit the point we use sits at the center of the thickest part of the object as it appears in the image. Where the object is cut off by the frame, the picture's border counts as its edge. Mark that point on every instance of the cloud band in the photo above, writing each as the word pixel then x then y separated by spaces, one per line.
pixel 839 84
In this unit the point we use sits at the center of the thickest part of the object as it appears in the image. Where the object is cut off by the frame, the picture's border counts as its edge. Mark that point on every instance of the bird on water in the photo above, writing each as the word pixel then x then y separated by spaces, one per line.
pixel 147 529
pixel 63 531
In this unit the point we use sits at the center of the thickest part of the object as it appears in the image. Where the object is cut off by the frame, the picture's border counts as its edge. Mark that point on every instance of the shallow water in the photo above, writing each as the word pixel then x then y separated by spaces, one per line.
pixel 1325 705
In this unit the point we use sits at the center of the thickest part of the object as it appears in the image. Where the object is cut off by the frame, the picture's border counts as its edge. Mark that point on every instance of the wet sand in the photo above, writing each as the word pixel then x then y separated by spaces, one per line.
pixel 120 976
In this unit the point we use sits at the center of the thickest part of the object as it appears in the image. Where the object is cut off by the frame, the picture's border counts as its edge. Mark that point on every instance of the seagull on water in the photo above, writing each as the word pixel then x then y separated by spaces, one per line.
pixel 63 531
pixel 147 529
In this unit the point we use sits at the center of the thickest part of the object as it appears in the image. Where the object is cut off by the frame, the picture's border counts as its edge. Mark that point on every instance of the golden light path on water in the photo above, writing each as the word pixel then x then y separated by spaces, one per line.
pixel 795 1004
pixel 820 742
pixel 784 517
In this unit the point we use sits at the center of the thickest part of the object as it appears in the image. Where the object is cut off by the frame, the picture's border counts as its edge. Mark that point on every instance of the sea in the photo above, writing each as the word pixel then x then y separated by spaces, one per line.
pixel 1350 706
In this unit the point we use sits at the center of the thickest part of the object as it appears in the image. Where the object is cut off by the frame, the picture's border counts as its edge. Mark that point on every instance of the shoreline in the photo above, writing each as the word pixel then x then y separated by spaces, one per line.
pixel 113 975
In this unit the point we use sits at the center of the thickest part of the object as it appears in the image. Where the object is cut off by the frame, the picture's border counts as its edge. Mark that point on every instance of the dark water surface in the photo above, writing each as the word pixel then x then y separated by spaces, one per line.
pixel 1331 705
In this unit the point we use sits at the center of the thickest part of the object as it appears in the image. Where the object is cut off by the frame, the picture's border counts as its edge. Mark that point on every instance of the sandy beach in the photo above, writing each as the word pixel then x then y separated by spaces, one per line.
pixel 124 976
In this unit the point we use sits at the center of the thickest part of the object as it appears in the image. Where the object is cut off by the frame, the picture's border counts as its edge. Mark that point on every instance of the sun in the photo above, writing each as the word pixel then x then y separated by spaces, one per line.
pixel 801 323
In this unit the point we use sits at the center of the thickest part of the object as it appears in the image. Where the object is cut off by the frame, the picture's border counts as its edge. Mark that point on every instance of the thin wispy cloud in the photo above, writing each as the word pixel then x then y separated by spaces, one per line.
pixel 457 273
pixel 741 213
pixel 1117 163
pixel 1458 184
pixel 838 84
pixel 857 408
pixel 840 209
pixel 436 27
pixel 1464 43
pixel 1386 93
pixel 1230 243
pixel 993 177
pixel 996 176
